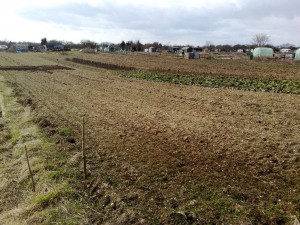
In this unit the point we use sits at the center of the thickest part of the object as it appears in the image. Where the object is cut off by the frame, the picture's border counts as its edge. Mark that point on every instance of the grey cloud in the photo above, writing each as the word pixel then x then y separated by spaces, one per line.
pixel 230 20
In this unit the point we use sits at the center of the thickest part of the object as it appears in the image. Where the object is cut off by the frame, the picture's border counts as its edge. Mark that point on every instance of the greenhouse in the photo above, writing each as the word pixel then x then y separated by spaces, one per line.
pixel 263 52
pixel 297 54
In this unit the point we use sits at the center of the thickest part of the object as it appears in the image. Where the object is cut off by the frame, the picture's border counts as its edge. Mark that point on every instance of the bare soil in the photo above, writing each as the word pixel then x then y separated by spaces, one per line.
pixel 171 154
pixel 46 68
pixel 241 67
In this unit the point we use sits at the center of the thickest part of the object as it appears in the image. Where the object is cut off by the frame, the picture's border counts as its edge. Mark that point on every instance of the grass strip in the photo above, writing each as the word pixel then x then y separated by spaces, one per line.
pixel 56 195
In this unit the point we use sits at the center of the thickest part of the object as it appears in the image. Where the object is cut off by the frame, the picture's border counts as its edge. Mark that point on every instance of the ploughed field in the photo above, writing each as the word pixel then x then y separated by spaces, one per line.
pixel 239 67
pixel 164 153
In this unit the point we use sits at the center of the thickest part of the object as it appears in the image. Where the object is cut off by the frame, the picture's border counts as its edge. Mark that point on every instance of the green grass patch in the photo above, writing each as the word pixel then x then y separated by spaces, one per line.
pixel 15 135
pixel 65 131
pixel 212 206
pixel 64 190
pixel 70 213
pixel 230 82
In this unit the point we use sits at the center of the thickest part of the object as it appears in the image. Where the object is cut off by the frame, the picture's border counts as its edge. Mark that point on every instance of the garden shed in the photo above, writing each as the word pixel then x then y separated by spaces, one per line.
pixel 22 47
pixel 187 49
pixel 152 49
pixel 263 52
pixel 18 48
pixel 297 54
pixel 189 55
pixel 196 55
pixel 3 47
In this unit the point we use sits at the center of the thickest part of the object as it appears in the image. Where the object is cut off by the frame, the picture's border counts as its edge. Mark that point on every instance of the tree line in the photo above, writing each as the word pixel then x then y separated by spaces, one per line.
pixel 257 41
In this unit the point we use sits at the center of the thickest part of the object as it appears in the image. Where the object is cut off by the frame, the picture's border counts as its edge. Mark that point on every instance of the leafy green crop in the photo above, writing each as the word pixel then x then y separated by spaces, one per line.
pixel 239 83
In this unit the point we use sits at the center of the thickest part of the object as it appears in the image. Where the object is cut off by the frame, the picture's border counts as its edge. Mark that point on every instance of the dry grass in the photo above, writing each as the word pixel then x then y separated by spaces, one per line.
pixel 19 205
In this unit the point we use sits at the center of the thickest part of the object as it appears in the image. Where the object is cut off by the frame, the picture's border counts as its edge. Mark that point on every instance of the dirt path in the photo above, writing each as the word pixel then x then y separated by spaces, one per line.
pixel 168 148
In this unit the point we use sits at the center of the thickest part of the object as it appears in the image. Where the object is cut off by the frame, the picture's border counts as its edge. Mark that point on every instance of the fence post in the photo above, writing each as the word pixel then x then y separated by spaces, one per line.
pixel 31 175
pixel 82 148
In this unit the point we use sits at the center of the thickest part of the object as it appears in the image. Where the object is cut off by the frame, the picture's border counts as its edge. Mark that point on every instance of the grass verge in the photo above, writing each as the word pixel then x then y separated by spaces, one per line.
pixel 55 201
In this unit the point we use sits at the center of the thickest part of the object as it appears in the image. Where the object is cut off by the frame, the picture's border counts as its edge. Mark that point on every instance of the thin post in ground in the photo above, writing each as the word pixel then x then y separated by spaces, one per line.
pixel 31 175
pixel 83 150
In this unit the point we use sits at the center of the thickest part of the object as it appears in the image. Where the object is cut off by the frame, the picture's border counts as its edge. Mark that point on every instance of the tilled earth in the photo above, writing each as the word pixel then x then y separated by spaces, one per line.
pixel 166 154
pixel 241 67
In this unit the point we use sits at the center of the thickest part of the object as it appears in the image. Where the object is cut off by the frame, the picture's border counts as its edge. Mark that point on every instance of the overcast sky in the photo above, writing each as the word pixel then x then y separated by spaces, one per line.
pixel 167 21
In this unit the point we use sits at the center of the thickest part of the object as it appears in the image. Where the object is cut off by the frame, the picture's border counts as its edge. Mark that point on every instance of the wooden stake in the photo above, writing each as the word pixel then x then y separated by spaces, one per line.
pixel 31 175
pixel 83 150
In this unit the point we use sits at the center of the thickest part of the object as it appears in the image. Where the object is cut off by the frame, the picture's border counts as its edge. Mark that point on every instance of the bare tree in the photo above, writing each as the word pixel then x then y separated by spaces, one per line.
pixel 261 39
pixel 209 45
pixel 88 44
pixel 288 45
